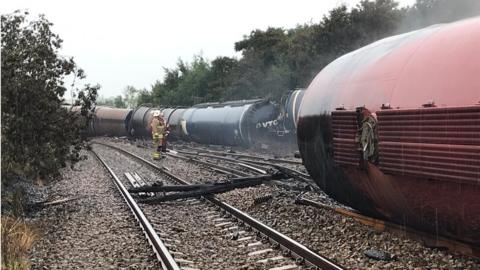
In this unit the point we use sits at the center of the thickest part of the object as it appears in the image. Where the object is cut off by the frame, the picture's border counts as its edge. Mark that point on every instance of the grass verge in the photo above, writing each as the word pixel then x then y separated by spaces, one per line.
pixel 17 239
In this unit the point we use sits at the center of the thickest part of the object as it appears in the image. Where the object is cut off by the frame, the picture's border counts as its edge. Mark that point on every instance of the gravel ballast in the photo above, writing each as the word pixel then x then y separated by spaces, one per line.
pixel 331 234
pixel 199 235
pixel 96 231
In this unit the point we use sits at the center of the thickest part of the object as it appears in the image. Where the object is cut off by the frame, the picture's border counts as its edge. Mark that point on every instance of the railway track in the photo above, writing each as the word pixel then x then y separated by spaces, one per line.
pixel 245 156
pixel 429 240
pixel 241 226
pixel 255 165
pixel 324 226
pixel 164 256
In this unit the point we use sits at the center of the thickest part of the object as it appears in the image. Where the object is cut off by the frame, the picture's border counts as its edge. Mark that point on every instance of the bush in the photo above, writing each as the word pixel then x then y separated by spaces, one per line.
pixel 39 135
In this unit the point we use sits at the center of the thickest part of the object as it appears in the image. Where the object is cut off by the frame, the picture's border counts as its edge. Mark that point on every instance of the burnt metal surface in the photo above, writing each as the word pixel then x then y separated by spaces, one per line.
pixel 423 87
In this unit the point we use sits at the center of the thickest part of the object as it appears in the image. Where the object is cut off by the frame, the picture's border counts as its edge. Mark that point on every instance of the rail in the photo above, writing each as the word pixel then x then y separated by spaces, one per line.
pixel 247 156
pixel 297 250
pixel 166 259
pixel 303 177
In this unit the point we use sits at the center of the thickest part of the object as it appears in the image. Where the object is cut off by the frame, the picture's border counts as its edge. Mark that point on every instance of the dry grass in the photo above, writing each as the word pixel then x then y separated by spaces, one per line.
pixel 17 238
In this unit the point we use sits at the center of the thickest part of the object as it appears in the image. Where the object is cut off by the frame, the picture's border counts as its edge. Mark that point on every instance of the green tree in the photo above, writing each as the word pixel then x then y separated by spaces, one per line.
pixel 220 78
pixel 39 136
pixel 131 96
pixel 103 101
pixel 263 59
pixel 269 45
pixel 276 60
pixel 144 96
pixel 427 12
pixel 118 102
pixel 184 85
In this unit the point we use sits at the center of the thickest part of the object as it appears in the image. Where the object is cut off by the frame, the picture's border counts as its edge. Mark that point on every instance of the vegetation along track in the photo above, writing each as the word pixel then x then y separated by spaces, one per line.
pixel 227 224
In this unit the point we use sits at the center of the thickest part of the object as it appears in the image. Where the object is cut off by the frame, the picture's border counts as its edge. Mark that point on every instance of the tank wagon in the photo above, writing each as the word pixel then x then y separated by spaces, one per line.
pixel 291 103
pixel 138 125
pixel 393 129
pixel 230 123
pixel 108 121
pixel 173 117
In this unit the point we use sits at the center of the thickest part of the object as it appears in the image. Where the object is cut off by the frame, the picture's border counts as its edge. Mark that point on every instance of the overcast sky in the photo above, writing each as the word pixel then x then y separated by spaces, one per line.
pixel 120 43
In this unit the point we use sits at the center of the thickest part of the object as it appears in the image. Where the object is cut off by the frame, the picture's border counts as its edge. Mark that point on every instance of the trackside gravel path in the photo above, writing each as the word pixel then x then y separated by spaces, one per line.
pixel 97 231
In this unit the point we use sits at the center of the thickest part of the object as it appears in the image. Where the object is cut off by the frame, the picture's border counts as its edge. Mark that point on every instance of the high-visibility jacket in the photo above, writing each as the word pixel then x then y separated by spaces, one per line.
pixel 158 128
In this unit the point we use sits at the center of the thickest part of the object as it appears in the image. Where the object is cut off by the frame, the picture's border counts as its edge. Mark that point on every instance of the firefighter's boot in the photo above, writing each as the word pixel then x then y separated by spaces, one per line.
pixel 156 155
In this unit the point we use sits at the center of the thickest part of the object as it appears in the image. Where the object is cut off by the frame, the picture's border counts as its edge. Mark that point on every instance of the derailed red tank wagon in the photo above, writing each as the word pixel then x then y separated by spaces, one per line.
pixel 393 129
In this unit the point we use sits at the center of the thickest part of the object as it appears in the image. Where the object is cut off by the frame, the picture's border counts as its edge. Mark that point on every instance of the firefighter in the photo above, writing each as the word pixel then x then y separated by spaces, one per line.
pixel 157 125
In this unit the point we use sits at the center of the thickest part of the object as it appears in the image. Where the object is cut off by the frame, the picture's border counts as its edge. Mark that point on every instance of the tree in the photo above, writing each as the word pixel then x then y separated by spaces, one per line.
pixel 276 60
pixel 144 96
pixel 427 12
pixel 263 59
pixel 183 85
pixel 131 96
pixel 220 78
pixel 269 45
pixel 118 102
pixel 103 101
pixel 39 135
